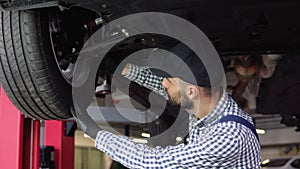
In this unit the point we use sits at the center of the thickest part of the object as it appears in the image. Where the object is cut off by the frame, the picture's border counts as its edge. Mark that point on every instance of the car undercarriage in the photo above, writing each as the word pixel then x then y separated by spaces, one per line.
pixel 258 42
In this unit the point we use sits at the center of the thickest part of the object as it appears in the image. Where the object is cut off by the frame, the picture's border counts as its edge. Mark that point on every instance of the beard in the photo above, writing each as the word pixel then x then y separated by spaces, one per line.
pixel 179 99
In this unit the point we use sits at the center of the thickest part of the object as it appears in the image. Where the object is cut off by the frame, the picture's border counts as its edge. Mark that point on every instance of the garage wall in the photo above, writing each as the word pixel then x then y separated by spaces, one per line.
pixel 281 151
pixel 91 158
pixel 87 156
pixel 280 137
pixel 276 143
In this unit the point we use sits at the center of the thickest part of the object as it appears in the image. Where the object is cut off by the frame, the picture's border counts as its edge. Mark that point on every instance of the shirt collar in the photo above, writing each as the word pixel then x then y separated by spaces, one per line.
pixel 215 114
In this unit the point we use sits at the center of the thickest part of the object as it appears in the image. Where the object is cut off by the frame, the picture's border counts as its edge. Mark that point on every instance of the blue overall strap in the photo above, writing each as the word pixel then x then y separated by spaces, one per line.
pixel 241 121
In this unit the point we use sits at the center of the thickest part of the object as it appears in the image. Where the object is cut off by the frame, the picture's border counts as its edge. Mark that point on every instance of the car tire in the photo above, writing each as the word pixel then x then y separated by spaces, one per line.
pixel 28 70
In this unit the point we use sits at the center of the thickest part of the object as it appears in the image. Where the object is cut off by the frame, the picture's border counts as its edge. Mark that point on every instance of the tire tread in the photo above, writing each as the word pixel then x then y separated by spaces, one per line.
pixel 24 70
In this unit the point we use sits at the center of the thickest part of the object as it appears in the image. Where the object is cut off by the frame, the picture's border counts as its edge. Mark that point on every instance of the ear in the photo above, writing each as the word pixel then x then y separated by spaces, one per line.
pixel 192 92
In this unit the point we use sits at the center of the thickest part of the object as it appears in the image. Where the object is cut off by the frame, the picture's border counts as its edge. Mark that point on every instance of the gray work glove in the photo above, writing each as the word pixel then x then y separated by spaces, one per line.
pixel 85 122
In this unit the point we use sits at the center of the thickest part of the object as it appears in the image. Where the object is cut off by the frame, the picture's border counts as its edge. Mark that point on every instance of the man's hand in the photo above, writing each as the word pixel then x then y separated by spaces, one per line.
pixel 85 122
pixel 125 71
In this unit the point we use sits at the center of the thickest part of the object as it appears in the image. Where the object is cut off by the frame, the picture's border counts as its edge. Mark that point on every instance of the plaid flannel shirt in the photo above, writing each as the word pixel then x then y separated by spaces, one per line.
pixel 227 145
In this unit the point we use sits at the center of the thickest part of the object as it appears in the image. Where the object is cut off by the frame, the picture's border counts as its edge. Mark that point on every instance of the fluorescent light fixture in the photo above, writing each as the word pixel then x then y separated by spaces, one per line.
pixel 125 32
pixel 178 139
pixel 260 131
pixel 266 161
pixel 138 140
pixel 146 135
pixel 114 33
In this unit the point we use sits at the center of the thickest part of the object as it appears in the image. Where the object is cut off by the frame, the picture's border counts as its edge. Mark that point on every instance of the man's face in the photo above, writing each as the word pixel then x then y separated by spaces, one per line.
pixel 173 90
pixel 176 93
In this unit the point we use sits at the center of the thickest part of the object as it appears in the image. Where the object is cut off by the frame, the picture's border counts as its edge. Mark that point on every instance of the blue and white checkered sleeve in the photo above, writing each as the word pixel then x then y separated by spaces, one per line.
pixel 144 77
pixel 214 151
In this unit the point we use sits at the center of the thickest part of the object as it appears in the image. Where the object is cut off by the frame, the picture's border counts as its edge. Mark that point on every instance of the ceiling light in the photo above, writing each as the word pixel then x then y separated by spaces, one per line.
pixel 260 131
pixel 86 136
pixel 266 161
pixel 146 135
pixel 178 139
pixel 138 140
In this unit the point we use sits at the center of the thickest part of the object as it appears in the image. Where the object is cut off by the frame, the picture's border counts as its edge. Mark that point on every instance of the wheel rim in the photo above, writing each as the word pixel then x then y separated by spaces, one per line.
pixel 64 49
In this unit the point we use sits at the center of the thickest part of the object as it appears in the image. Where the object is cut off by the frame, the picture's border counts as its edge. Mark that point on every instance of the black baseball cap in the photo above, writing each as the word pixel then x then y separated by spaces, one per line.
pixel 189 68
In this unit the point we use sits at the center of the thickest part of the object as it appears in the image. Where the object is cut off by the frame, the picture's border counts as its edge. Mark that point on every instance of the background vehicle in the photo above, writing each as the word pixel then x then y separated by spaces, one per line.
pixel 283 163
pixel 40 42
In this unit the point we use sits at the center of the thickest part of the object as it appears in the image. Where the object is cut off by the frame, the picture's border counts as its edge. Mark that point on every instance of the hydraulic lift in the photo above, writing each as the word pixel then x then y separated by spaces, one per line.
pixel 24 146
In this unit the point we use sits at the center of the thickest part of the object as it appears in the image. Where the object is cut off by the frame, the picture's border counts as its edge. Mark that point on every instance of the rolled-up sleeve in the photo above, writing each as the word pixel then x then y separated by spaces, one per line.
pixel 144 77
